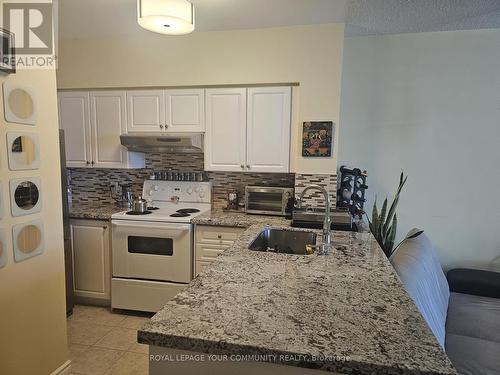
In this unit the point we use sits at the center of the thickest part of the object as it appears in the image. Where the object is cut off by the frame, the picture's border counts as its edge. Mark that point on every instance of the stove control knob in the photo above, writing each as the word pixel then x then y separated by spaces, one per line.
pixel 190 191
pixel 150 192
pixel 197 189
pixel 155 188
pixel 201 194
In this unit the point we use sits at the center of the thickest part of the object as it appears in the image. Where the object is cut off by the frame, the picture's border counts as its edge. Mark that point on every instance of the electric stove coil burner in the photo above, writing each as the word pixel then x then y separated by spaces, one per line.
pixel 187 211
pixel 135 213
pixel 180 214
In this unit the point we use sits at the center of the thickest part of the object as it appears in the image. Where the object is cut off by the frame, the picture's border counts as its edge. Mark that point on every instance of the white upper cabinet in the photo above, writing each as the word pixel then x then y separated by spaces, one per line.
pixel 268 129
pixel 248 129
pixel 170 111
pixel 225 136
pixel 74 119
pixel 185 110
pixel 93 122
pixel 108 122
pixel 146 110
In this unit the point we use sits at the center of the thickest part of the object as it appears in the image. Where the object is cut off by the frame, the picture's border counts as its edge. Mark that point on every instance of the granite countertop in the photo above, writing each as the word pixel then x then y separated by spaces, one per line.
pixel 237 219
pixel 346 312
pixel 93 210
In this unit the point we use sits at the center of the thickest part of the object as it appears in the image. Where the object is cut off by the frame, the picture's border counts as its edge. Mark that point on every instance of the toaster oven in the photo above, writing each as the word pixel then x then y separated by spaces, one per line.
pixel 267 200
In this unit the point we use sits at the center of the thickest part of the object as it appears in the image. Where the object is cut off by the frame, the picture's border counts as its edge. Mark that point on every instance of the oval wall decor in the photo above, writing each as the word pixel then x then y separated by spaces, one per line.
pixel 28 240
pixel 20 105
pixel 25 196
pixel 23 150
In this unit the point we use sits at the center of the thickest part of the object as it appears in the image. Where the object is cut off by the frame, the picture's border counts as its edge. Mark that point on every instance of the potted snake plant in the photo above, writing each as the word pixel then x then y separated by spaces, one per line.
pixel 384 224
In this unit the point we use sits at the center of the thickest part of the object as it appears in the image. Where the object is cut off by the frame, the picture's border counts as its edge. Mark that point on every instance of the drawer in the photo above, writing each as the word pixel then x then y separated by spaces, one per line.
pixel 209 251
pixel 213 234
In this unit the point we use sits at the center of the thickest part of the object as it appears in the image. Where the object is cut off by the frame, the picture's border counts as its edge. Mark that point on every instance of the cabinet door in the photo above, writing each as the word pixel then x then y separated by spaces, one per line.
pixel 185 110
pixel 146 111
pixel 108 122
pixel 74 119
pixel 225 136
pixel 268 129
pixel 91 259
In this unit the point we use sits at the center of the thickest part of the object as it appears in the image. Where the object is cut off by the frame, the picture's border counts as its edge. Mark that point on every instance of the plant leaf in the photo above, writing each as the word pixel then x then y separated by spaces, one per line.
pixel 415 234
pixel 383 212
pixel 392 235
pixel 395 202
pixel 384 225
pixel 375 212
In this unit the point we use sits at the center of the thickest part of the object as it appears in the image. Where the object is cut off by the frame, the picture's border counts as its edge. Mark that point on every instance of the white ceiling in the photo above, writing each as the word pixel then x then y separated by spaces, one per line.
pixel 375 17
pixel 100 18
pixel 97 18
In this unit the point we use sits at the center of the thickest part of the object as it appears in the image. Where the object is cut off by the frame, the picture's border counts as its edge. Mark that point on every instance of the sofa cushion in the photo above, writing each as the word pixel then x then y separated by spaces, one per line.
pixel 473 356
pixel 474 316
pixel 419 269
pixel 477 282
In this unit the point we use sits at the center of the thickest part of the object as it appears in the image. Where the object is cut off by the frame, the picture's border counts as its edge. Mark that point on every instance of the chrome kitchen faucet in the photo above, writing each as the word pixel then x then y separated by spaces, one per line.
pixel 326 246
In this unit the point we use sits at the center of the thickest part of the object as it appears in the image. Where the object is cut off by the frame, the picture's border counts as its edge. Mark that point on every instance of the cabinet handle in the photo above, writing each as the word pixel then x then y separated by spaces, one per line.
pixel 161 126
pixel 242 166
pixel 248 166
pixel 104 227
pixel 87 162
pixel 166 126
pixel 219 236
pixel 92 163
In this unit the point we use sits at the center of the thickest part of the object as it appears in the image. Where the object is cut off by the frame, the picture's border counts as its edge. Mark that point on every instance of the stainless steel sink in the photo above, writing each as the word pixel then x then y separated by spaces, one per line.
pixel 284 241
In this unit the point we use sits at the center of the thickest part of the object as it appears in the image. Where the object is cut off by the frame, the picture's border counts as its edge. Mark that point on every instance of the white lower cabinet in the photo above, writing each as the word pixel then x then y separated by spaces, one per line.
pixel 90 241
pixel 210 241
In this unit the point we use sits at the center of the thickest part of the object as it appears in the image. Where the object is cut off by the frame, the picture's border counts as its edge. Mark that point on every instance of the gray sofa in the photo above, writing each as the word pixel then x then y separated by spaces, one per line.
pixel 461 311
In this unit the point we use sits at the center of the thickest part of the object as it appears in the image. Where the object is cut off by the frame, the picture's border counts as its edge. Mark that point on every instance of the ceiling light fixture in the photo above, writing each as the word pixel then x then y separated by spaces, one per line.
pixel 172 17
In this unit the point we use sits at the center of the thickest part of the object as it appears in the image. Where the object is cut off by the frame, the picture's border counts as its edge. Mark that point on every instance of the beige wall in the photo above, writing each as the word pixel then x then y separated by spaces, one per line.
pixel 32 292
pixel 429 104
pixel 310 55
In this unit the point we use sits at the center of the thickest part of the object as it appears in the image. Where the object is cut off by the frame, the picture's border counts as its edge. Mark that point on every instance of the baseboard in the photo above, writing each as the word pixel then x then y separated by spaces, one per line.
pixel 63 369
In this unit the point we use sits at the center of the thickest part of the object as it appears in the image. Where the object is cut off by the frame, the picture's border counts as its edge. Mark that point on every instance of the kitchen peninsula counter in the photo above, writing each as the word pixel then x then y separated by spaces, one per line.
pixel 346 312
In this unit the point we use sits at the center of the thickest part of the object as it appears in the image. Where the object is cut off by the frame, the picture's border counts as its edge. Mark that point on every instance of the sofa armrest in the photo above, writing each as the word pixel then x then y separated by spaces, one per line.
pixel 476 282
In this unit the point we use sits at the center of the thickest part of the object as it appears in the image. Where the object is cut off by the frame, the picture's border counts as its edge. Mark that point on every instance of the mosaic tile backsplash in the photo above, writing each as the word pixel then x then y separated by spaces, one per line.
pixel 93 185
pixel 315 198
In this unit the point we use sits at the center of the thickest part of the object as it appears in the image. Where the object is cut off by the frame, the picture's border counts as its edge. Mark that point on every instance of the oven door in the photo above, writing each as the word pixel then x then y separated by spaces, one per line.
pixel 152 250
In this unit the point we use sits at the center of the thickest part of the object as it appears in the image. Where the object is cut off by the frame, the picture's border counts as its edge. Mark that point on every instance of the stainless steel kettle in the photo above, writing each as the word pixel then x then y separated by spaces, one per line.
pixel 140 205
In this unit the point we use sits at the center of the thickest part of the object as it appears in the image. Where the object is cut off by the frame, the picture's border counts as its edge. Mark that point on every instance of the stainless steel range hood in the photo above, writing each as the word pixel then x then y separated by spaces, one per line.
pixel 181 143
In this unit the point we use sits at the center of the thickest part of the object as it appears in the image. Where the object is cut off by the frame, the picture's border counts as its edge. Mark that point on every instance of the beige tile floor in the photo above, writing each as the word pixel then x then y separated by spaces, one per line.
pixel 102 342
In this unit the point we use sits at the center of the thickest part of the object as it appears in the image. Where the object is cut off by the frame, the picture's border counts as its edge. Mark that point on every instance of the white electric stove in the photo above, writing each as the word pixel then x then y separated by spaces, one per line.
pixel 153 252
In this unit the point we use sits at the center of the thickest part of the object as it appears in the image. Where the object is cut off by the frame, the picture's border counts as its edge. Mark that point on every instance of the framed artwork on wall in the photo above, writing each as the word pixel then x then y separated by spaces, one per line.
pixel 317 139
